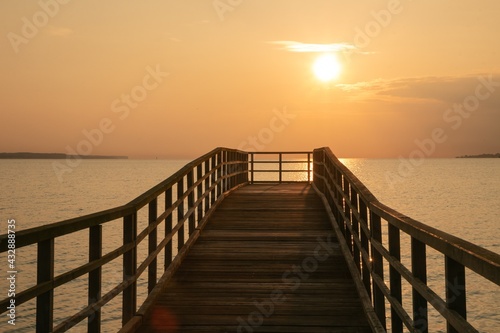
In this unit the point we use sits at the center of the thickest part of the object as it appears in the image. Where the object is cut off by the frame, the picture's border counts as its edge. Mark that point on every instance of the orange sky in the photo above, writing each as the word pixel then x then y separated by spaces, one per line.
pixel 178 78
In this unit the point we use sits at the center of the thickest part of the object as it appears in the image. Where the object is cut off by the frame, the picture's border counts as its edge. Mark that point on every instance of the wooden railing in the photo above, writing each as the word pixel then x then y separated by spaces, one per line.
pixel 198 187
pixel 359 218
pixel 277 165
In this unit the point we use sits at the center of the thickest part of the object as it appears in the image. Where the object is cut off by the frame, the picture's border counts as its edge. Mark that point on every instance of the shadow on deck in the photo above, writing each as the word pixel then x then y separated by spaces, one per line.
pixel 267 261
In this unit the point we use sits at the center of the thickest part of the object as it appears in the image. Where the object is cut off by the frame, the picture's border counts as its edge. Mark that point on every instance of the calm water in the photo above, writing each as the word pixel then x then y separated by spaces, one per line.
pixel 459 196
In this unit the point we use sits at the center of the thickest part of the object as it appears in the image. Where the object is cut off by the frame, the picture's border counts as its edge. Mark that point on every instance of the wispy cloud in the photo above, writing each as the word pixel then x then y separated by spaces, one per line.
pixel 293 46
pixel 445 89
pixel 172 37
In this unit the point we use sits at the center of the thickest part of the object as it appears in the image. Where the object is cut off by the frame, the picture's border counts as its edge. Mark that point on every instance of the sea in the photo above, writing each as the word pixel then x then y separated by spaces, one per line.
pixel 458 196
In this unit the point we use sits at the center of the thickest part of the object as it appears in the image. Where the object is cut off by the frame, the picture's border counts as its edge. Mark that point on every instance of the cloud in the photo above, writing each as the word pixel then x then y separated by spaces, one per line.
pixel 172 38
pixel 293 46
pixel 445 89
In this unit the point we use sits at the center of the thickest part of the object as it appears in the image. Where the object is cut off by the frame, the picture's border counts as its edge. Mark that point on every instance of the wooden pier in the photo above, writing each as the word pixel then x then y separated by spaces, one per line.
pixel 267 261
pixel 259 251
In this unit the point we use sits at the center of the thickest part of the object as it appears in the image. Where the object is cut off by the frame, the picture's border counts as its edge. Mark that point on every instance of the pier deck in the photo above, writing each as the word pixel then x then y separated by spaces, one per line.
pixel 267 261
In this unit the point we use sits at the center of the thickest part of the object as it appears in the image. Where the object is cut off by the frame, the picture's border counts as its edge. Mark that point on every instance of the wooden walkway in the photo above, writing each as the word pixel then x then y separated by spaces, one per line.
pixel 267 261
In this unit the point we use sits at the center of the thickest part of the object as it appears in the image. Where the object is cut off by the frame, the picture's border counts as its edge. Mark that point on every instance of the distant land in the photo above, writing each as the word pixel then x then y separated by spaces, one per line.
pixel 54 156
pixel 497 155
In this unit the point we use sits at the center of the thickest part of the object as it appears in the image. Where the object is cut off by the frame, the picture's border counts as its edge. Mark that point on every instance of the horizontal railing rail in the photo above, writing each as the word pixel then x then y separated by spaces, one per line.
pixel 277 165
pixel 359 218
pixel 369 231
pixel 199 187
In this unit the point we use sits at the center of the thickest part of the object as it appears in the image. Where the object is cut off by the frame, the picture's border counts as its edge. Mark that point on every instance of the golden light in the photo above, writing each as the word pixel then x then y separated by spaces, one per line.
pixel 326 67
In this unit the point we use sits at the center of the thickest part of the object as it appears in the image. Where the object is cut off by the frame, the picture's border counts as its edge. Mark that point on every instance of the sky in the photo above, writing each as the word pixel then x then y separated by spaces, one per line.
pixel 164 78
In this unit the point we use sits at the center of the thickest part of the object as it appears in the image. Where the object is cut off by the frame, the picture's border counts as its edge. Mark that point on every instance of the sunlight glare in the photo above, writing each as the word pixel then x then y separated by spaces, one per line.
pixel 326 67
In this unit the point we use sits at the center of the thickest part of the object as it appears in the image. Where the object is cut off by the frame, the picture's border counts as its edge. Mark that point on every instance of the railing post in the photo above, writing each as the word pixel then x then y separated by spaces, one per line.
pixel 419 270
pixel 355 228
pixel 280 167
pixel 338 190
pixel 224 171
pixel 192 217
pixel 231 170
pixel 241 168
pixel 227 171
pixel 308 167
pixel 213 178
pixel 455 289
pixel 252 167
pixel 378 268
pixel 219 174
pixel 168 227
pixel 234 170
pixel 316 169
pixel 45 272
pixel 245 168
pixel 180 214
pixel 95 277
pixel 207 185
pixel 395 277
pixel 199 175
pixel 152 244
pixel 363 212
pixel 129 303
pixel 347 213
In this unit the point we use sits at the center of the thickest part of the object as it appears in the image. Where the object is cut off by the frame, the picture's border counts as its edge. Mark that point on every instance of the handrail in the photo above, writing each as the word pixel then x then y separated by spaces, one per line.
pixel 207 178
pixel 359 215
pixel 200 186
pixel 280 162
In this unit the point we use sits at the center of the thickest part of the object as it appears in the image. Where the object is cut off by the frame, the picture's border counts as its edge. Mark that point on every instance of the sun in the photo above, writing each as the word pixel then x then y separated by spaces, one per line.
pixel 327 68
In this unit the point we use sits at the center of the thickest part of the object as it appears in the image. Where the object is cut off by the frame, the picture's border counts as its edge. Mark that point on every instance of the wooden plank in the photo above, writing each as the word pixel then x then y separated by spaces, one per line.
pixel 267 260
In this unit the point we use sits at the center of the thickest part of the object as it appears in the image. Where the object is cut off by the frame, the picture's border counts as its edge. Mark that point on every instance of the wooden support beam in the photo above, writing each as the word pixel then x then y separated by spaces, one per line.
pixel 95 278
pixel 419 270
pixel 152 244
pixel 378 268
pixel 45 273
pixel 129 297
pixel 455 290
pixel 168 228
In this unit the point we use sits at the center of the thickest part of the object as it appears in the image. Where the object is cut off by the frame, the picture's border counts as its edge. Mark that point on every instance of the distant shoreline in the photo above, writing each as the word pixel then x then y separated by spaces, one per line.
pixel 57 156
pixel 481 156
